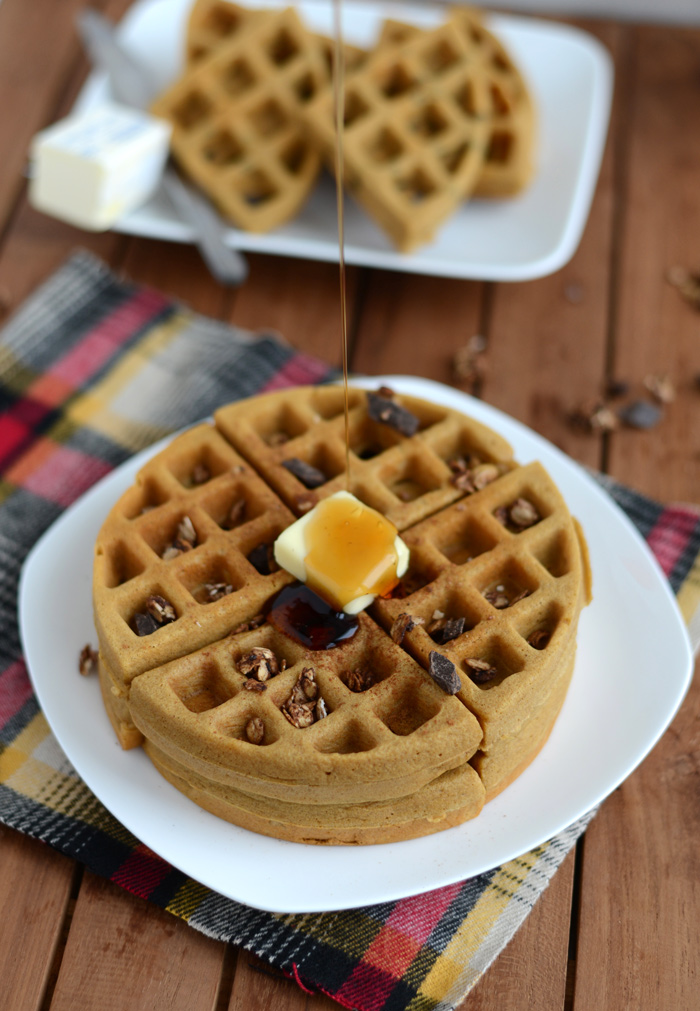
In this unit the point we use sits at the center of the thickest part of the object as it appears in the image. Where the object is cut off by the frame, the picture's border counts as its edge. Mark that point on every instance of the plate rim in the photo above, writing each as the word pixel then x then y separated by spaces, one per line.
pixel 494 417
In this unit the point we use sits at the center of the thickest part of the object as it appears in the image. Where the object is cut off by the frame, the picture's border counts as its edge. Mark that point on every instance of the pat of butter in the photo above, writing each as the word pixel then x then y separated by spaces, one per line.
pixel 345 551
pixel 93 168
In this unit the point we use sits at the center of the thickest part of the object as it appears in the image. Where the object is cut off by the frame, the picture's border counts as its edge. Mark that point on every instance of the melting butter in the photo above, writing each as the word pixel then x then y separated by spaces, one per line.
pixel 345 551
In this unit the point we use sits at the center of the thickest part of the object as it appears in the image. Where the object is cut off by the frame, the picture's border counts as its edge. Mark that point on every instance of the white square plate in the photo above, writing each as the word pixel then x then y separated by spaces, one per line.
pixel 570 76
pixel 633 668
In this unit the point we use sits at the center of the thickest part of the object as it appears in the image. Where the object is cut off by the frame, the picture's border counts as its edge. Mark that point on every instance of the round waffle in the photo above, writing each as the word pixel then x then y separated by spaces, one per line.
pixel 365 742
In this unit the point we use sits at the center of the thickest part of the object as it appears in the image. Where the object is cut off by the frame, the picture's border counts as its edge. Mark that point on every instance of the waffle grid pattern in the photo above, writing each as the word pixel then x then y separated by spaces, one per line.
pixel 235 120
pixel 397 738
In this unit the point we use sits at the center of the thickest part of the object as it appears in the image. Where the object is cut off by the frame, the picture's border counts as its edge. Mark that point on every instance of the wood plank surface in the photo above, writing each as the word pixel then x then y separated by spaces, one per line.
pixel 124 954
pixel 655 331
pixel 637 942
pixel 35 890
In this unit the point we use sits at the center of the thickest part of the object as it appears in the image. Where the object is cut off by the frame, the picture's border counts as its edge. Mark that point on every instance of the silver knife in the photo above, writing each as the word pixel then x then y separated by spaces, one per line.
pixel 131 84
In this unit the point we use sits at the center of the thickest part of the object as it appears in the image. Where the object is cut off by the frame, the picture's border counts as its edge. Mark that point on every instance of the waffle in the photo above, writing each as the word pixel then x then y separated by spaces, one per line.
pixel 395 755
pixel 415 132
pixel 212 23
pixel 509 161
pixel 234 115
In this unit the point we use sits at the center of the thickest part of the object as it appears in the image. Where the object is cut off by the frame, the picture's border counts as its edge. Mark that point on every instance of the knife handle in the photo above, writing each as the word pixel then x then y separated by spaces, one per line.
pixel 227 265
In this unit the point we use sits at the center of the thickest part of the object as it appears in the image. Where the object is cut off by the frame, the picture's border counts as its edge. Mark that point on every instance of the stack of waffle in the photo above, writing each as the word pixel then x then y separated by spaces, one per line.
pixel 368 741
pixel 432 117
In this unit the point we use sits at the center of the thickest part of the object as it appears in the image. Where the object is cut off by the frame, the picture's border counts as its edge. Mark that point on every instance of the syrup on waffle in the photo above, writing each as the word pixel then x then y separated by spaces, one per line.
pixel 360 743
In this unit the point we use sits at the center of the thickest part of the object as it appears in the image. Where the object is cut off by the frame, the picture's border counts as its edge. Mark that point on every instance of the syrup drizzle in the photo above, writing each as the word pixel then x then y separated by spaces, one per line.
pixel 339 101
pixel 302 615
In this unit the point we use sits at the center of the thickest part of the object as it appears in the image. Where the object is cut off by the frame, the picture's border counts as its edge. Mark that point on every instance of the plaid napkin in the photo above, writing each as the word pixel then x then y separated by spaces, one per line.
pixel 91 370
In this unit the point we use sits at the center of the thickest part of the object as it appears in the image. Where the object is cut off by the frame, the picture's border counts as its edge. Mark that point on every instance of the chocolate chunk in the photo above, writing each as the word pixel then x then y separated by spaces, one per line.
pixel 387 412
pixel 444 673
pixel 145 624
pixel 259 558
pixel 310 477
pixel 640 414
pixel 452 628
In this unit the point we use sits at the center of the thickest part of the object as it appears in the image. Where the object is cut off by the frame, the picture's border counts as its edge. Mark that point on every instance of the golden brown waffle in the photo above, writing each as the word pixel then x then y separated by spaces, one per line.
pixel 493 548
pixel 509 159
pixel 235 120
pixel 415 132
pixel 212 23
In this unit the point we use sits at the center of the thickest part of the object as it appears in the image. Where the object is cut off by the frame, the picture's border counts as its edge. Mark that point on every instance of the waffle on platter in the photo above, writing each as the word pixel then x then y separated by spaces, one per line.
pixel 432 117
pixel 508 160
pixel 235 123
pixel 364 742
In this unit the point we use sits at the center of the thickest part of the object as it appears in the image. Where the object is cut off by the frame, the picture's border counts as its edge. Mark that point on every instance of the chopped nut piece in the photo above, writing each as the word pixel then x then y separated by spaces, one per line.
pixel 443 672
pixel 255 730
pixel 321 709
pixel 480 671
pixel 160 609
pixel 477 477
pixel 87 661
pixel 309 476
pixel 593 416
pixel 687 283
pixel 235 514
pixel 404 623
pixel 539 638
pixel 497 598
pixel 661 388
pixel 299 715
pixel 305 502
pixel 359 680
pixel 641 414
pixel 185 539
pixel 215 591
pixel 186 532
pixel 252 685
pixel 247 626
pixel 171 552
pixel 307 683
pixel 468 365
pixel 438 615
pixel 388 412
pixel 261 663
pixel 300 707
pixel 518 597
pixel 522 514
pixel 386 392
pixel 278 439
pixel 201 474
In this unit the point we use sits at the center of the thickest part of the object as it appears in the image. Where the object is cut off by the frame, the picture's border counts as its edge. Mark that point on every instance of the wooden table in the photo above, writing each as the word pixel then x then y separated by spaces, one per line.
pixel 618 927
